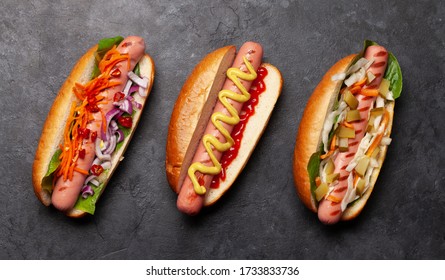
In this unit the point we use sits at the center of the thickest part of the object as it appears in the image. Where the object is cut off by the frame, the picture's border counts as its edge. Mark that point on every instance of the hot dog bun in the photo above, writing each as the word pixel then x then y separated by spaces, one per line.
pixel 192 112
pixel 308 138
pixel 309 131
pixel 52 132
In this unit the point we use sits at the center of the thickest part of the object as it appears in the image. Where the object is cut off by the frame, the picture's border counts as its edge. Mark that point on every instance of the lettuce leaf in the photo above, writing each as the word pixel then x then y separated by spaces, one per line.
pixel 394 75
pixel 54 163
pixel 313 169
pixel 47 180
pixel 137 69
pixel 103 46
pixel 88 204
pixel 106 44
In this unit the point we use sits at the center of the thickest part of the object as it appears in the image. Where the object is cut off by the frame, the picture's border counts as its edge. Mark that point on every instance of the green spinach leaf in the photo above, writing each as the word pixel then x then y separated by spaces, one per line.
pixel 313 169
pixel 394 75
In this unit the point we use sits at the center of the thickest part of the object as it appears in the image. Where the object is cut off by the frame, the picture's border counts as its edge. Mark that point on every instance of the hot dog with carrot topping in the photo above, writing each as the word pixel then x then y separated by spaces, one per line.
pixel 344 133
pixel 90 124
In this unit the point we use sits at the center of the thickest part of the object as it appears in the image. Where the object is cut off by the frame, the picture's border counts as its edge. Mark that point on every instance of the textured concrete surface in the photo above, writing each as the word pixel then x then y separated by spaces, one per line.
pixel 261 217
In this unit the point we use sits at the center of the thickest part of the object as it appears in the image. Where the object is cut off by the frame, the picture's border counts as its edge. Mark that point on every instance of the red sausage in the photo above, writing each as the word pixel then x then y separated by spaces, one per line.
pixel 329 212
pixel 65 193
pixel 188 201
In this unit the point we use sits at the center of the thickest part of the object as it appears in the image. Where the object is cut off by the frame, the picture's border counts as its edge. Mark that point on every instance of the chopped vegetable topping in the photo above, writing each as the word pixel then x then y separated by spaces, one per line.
pixel 125 121
pixel 96 169
pixel 75 129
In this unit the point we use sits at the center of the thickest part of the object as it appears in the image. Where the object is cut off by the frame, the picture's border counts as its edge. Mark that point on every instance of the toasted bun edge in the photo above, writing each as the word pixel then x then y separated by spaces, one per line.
pixel 311 124
pixel 204 81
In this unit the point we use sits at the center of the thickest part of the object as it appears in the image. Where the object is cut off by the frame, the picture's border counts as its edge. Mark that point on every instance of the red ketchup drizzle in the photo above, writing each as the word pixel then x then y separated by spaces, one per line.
pixel 247 111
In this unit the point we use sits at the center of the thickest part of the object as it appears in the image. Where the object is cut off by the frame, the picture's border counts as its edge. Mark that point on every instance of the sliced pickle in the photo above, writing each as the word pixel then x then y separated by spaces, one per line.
pixel 330 167
pixel 362 166
pixel 343 144
pixel 360 187
pixel 375 153
pixel 321 191
pixel 350 99
pixel 377 111
pixel 332 177
pixel 384 88
pixel 353 115
pixel 370 126
pixel 370 77
pixel 346 132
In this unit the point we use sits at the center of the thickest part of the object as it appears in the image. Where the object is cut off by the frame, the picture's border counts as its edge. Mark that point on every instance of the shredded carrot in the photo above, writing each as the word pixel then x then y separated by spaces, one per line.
pixel 355 89
pixel 332 148
pixel 345 123
pixel 330 152
pixel 317 181
pixel 79 115
pixel 369 92
pixel 81 170
pixel 356 178
pixel 333 198
pixel 379 137
pixel 360 83
pixel 104 122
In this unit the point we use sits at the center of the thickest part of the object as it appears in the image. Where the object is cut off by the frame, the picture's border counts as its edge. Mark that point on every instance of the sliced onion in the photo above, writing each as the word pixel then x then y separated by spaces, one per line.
pixel 127 87
pixel 106 164
pixel 113 125
pixel 385 141
pixel 142 90
pixel 134 88
pixel 111 146
pixel 338 77
pixel 112 113
pixel 90 178
pixel 137 80
pixel 373 163
pixel 368 64
pixel 120 136
pixel 87 190
pixel 126 106
pixel 99 154
pixel 138 105
pixel 359 64
pixel 95 182
pixel 96 161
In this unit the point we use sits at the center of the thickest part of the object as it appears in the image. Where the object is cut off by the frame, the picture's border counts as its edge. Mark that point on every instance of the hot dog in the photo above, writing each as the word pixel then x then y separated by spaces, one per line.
pixel 90 124
pixel 344 133
pixel 205 126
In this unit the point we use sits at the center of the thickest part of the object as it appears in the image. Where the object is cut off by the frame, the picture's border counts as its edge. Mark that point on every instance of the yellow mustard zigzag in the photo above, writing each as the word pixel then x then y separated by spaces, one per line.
pixel 208 140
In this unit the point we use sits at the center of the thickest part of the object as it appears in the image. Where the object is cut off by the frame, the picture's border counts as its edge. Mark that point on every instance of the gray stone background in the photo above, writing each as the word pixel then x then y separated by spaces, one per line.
pixel 261 217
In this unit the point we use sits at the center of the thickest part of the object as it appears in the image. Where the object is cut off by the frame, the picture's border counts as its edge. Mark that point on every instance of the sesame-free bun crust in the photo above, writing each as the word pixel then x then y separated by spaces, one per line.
pixel 311 125
pixel 309 138
pixel 192 112
pixel 52 132
pixel 205 80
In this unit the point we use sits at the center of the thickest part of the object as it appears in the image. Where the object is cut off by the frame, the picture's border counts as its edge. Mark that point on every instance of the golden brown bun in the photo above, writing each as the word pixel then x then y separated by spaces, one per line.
pixel 53 128
pixel 309 138
pixel 192 112
pixel 311 125
pixel 207 77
